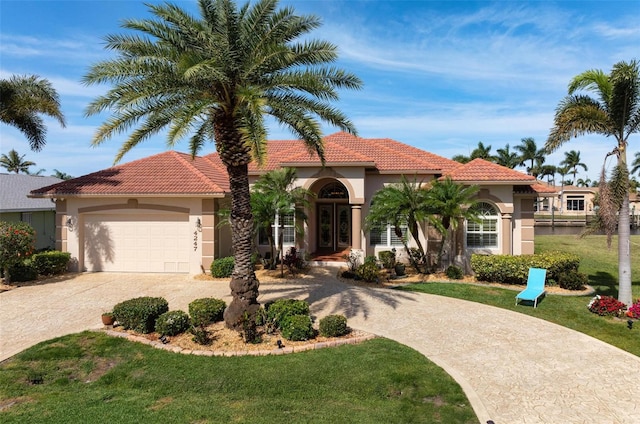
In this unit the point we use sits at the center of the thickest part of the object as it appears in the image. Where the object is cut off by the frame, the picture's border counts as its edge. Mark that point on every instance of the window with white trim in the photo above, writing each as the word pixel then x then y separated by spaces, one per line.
pixel 288 231
pixel 386 235
pixel 575 203
pixel 484 232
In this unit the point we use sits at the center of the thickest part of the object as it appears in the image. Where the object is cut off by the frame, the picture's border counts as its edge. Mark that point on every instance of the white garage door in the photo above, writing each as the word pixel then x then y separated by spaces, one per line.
pixel 157 242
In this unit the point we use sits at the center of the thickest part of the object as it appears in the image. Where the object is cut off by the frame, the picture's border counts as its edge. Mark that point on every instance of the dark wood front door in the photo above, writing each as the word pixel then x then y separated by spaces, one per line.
pixel 334 226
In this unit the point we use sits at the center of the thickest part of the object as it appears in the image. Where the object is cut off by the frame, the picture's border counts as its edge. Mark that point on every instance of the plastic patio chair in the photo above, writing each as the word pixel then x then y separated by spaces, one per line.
pixel 535 286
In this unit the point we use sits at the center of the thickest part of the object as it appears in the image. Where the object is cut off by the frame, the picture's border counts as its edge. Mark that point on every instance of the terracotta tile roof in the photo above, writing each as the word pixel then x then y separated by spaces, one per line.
pixel 480 170
pixel 165 173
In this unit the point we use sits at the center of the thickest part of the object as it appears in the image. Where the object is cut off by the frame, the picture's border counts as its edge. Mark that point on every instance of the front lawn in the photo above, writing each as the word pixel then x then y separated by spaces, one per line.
pixel 93 378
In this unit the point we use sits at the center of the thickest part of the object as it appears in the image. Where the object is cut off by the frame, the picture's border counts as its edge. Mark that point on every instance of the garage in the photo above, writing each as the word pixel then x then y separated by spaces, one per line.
pixel 137 242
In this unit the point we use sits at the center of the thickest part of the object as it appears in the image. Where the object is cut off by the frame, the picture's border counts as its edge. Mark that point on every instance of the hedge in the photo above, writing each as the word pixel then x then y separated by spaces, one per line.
pixel 510 269
pixel 140 314
pixel 51 262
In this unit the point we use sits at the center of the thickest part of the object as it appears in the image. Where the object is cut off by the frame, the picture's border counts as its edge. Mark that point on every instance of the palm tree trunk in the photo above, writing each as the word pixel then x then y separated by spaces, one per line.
pixel 624 253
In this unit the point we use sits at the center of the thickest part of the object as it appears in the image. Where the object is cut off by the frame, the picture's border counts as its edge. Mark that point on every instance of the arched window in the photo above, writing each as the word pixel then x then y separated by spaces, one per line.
pixel 334 190
pixel 483 233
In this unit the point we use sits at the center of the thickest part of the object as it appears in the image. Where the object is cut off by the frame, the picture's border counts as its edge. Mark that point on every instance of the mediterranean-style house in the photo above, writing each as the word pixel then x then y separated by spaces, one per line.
pixel 158 214
pixel 15 206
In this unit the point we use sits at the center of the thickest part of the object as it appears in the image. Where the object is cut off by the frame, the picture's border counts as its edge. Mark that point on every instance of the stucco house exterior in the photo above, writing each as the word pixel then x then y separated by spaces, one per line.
pixel 158 214
pixel 15 206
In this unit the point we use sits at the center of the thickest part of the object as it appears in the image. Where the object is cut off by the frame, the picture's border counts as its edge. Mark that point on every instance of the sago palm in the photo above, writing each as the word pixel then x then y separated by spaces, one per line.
pixel 613 112
pixel 213 78
pixel 22 99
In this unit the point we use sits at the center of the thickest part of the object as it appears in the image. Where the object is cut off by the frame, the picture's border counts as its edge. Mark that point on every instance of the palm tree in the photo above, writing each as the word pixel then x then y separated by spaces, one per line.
pixel 214 77
pixel 529 152
pixel 451 203
pixel 22 100
pixel 61 175
pixel 461 158
pixel 274 195
pixel 572 161
pixel 13 162
pixel 583 182
pixel 548 171
pixel 635 165
pixel 482 152
pixel 506 157
pixel 613 112
pixel 401 204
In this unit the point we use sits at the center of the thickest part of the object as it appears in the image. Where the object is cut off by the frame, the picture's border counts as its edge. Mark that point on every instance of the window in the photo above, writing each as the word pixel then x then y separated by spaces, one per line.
pixel 288 230
pixel 484 233
pixel 25 217
pixel 575 203
pixel 386 236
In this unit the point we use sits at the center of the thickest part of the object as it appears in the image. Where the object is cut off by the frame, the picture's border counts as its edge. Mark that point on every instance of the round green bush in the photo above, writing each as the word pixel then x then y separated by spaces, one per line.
pixel 23 271
pixel 454 272
pixel 223 267
pixel 172 323
pixel 368 272
pixel 388 259
pixel 279 310
pixel 333 326
pixel 206 310
pixel 297 328
pixel 140 314
pixel 572 280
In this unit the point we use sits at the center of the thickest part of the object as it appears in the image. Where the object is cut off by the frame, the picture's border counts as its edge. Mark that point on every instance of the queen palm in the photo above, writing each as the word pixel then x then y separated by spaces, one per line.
pixel 14 162
pixel 506 157
pixel 572 161
pixel 22 100
pixel 613 112
pixel 213 78
pixel 529 152
pixel 635 165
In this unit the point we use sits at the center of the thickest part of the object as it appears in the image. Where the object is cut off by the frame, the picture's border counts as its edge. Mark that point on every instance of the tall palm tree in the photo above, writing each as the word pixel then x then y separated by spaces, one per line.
pixel 275 195
pixel 22 100
pixel 506 157
pixel 450 202
pixel 482 152
pixel 548 171
pixel 61 175
pixel 613 112
pixel 572 161
pixel 529 152
pixel 401 204
pixel 583 182
pixel 13 162
pixel 635 165
pixel 214 77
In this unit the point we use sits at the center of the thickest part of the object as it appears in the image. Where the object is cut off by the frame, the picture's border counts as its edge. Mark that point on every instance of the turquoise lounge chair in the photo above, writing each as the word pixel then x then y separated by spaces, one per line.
pixel 535 286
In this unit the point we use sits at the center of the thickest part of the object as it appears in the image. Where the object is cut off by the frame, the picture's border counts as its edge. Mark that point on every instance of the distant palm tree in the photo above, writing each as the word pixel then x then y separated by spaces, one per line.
pixel 274 194
pixel 583 182
pixel 613 112
pixel 450 203
pixel 548 171
pixel 22 99
pixel 461 158
pixel 572 161
pixel 215 77
pixel 61 175
pixel 529 152
pixel 482 152
pixel 13 162
pixel 506 157
pixel 635 165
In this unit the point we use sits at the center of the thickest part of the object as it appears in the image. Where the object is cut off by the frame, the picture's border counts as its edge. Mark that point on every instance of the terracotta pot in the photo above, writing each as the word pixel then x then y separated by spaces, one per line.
pixel 107 319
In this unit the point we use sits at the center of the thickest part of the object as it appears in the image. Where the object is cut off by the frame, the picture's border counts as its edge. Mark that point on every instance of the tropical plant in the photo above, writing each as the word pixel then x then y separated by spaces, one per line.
pixel 61 175
pixel 17 241
pixel 14 162
pixel 635 165
pixel 583 182
pixel 529 152
pixel 461 158
pixel 482 152
pixel 450 203
pixel 548 171
pixel 22 99
pixel 572 162
pixel 613 112
pixel 506 157
pixel 215 77
pixel 274 196
pixel 401 204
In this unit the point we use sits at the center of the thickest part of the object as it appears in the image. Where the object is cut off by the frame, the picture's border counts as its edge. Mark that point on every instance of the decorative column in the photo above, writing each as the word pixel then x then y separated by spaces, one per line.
pixel 507 234
pixel 356 227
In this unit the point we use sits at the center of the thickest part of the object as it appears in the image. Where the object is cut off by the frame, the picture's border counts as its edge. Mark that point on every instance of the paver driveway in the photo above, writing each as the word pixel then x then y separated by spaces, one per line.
pixel 513 368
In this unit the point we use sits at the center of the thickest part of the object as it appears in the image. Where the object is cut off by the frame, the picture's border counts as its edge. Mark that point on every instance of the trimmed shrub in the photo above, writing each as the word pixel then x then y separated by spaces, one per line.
pixel 281 309
pixel 223 267
pixel 206 310
pixel 572 280
pixel 388 259
pixel 140 314
pixel 368 272
pixel 297 328
pixel 172 323
pixel 454 272
pixel 23 271
pixel 51 262
pixel 333 326
pixel 515 269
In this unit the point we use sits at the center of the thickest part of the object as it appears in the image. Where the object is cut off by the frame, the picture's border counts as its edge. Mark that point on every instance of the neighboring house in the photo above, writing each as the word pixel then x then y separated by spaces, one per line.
pixel 158 214
pixel 15 206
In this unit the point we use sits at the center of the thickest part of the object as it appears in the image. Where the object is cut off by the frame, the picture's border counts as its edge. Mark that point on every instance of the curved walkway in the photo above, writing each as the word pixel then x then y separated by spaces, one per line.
pixel 512 367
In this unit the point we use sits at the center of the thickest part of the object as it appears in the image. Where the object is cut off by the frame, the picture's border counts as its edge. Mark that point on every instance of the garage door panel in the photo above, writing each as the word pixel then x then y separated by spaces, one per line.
pixel 137 243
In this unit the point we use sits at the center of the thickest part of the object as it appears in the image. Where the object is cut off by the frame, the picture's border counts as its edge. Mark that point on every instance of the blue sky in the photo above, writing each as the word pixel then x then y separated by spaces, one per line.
pixel 438 75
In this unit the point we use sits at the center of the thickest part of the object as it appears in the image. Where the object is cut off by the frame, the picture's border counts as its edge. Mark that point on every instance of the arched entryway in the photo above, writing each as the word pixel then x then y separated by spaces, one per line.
pixel 333 218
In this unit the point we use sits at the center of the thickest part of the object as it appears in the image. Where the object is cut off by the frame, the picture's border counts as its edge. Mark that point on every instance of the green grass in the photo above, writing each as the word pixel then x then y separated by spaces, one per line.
pixel 91 377
pixel 597 262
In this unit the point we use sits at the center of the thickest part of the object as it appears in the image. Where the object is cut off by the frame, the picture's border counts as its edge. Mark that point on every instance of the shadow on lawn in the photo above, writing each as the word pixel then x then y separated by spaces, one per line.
pixel 604 283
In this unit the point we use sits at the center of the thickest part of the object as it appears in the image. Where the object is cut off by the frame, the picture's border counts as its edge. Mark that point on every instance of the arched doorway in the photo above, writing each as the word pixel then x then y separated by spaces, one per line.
pixel 333 218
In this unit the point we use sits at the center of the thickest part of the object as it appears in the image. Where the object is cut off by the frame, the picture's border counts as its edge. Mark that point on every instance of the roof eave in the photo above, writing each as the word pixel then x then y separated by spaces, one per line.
pixel 120 195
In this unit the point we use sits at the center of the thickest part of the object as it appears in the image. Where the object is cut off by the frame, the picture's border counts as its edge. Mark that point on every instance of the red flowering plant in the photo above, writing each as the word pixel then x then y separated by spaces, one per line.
pixel 634 310
pixel 17 241
pixel 606 305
